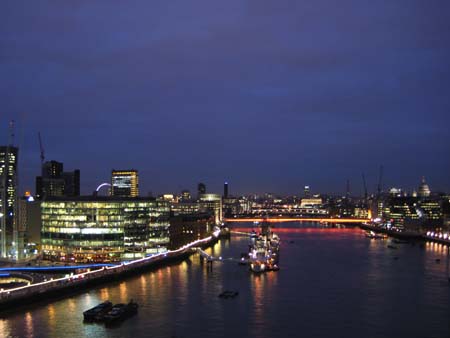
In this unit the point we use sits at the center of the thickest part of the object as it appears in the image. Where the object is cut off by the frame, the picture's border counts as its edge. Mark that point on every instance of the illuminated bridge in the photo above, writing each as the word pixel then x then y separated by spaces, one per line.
pixel 287 219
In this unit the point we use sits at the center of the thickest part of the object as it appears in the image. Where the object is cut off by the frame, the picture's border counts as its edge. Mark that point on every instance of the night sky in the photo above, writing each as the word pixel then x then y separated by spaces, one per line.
pixel 268 95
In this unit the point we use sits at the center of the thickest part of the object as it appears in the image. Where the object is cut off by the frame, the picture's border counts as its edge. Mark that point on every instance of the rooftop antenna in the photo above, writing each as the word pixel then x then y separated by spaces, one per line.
pixel 42 148
pixel 11 132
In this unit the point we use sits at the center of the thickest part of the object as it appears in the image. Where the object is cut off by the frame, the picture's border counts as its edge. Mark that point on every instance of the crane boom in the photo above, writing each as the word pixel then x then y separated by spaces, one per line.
pixel 380 180
pixel 365 186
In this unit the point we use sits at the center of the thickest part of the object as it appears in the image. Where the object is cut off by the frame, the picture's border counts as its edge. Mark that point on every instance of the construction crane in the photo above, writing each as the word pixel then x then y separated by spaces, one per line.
pixel 365 186
pixel 42 148
pixel 380 181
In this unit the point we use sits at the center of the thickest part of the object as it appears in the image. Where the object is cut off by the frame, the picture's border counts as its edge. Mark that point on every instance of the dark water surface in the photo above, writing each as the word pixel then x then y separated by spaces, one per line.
pixel 332 283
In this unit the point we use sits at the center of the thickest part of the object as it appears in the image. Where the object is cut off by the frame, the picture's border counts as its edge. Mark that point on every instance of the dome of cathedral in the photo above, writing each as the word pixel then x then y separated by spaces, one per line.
pixel 424 189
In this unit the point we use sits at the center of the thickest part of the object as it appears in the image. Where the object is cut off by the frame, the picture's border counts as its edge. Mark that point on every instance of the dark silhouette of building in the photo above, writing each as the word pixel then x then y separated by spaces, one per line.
pixel 54 181
pixel 201 189
pixel 225 190
pixel 307 191
pixel 185 195
pixel 8 199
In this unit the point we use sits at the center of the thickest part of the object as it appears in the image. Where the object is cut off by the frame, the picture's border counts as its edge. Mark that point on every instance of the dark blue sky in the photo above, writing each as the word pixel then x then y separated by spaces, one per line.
pixel 269 95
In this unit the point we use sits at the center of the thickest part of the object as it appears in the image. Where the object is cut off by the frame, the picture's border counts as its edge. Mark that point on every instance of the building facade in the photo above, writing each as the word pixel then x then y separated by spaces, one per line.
pixel 186 228
pixel 54 181
pixel 103 229
pixel 8 201
pixel 125 183
pixel 212 202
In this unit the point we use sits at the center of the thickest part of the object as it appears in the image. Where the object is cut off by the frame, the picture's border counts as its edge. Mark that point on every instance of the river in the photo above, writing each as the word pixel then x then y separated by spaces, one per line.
pixel 332 283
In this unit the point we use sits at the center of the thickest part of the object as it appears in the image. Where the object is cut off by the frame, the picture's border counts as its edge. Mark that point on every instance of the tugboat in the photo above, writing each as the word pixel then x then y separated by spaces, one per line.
pixel 97 312
pixel 120 312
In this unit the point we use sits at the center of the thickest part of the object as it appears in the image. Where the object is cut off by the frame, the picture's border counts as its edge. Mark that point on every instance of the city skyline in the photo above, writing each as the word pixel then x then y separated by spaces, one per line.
pixel 312 96
pixel 357 191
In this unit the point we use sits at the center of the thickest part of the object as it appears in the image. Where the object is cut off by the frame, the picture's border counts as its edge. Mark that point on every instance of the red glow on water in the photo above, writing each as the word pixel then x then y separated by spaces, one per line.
pixel 302 230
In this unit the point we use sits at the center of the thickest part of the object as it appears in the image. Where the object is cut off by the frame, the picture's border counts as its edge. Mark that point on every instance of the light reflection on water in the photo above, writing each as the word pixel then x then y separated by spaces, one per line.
pixel 332 282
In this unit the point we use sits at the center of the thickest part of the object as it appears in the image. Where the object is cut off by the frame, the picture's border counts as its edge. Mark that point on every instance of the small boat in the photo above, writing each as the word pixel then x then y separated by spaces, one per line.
pixel 374 235
pixel 400 241
pixel 120 312
pixel 228 294
pixel 97 311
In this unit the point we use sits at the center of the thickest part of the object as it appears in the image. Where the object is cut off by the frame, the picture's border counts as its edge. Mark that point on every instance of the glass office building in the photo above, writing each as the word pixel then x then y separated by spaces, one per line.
pixel 125 183
pixel 103 229
pixel 8 201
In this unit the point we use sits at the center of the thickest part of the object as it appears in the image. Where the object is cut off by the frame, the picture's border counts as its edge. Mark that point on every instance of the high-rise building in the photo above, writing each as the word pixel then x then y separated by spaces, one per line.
pixel 125 183
pixel 29 225
pixel 55 182
pixel 212 202
pixel 307 191
pixel 71 183
pixel 225 190
pixel 8 200
pixel 201 189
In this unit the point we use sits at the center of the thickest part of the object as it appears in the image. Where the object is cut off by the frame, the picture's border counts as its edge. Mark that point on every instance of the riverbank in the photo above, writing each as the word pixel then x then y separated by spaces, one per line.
pixel 75 283
pixel 406 235
pixel 392 233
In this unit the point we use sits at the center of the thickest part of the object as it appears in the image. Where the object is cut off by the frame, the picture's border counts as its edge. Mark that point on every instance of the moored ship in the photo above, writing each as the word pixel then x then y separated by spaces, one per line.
pixel 97 312
pixel 120 312
pixel 264 250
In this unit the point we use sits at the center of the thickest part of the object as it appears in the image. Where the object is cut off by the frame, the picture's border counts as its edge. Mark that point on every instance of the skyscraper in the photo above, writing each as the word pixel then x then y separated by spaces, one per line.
pixel 307 191
pixel 125 183
pixel 225 190
pixel 201 189
pixel 55 182
pixel 8 200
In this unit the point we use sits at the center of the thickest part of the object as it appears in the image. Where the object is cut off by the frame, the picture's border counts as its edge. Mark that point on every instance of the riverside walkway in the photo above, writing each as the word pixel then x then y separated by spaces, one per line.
pixel 69 283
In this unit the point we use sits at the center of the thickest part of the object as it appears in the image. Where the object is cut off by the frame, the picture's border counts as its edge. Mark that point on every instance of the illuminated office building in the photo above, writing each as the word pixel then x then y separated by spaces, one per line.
pixel 413 213
pixel 212 202
pixel 185 195
pixel 103 228
pixel 8 201
pixel 125 183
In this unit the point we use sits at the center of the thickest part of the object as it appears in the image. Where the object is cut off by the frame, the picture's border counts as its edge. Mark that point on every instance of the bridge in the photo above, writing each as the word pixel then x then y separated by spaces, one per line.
pixel 210 259
pixel 298 219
